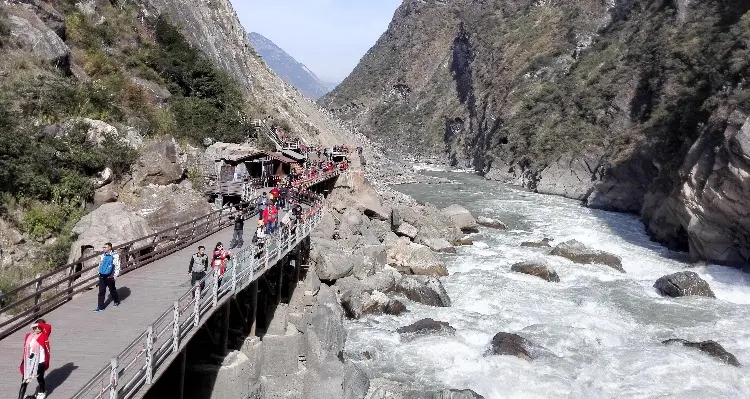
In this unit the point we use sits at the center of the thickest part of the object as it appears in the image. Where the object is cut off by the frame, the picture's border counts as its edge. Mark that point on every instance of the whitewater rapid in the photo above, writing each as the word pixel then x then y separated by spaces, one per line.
pixel 596 334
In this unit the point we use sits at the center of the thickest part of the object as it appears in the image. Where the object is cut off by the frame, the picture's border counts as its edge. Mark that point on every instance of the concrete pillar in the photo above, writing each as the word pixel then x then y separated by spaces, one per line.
pixel 183 361
pixel 224 337
pixel 252 315
pixel 280 287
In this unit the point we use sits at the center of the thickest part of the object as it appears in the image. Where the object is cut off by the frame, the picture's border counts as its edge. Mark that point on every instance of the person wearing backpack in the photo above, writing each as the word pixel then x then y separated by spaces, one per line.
pixel 261 205
pixel 109 269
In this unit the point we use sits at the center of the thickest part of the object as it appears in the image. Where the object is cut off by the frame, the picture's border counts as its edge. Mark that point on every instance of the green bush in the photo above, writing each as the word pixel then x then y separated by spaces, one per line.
pixel 44 220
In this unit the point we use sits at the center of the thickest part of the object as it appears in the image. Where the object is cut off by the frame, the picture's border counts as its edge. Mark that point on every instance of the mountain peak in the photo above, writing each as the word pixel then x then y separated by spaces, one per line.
pixel 289 69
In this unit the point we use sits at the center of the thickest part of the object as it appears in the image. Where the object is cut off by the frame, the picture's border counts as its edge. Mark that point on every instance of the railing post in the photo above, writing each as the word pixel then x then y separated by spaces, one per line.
pixel 234 275
pixel 149 355
pixel 215 289
pixel 176 327
pixel 197 306
pixel 114 371
pixel 71 272
pixel 38 296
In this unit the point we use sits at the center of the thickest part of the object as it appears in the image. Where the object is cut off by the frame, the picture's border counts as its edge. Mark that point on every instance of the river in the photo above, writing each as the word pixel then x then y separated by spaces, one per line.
pixel 596 334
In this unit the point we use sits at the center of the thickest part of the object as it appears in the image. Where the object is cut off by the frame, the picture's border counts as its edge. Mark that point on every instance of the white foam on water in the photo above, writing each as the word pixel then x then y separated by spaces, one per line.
pixel 595 334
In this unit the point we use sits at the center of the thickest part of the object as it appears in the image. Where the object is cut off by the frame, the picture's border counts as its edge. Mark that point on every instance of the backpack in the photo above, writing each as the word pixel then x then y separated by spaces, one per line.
pixel 107 265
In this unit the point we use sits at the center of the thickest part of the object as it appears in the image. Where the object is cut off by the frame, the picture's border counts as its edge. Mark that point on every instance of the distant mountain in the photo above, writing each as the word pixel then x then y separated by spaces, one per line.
pixel 331 85
pixel 290 70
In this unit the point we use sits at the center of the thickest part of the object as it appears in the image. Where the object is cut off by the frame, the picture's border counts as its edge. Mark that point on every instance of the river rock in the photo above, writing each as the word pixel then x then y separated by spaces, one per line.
pixel 510 344
pixel 331 266
pixel 538 269
pixel 386 389
pixel 712 348
pixel 543 243
pixel 416 258
pixel 325 332
pixel 424 289
pixel 427 326
pixel 429 221
pixel 395 307
pixel 406 230
pixel 440 245
pixel 683 284
pixel 578 253
pixel 463 242
pixel 491 223
pixel 112 222
pixel 461 218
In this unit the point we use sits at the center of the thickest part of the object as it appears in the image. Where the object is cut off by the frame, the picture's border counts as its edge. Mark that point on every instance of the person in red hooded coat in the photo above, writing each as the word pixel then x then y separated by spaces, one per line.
pixel 36 357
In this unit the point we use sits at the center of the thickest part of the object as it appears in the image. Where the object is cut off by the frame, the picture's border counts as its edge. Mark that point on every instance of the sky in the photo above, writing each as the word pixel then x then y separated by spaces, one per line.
pixel 328 36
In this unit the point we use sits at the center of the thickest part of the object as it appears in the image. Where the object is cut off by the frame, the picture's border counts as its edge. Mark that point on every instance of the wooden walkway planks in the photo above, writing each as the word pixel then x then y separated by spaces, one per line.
pixel 83 341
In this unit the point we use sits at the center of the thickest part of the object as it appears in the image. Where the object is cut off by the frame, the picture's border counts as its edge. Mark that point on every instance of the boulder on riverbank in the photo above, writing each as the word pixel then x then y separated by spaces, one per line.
pixel 711 348
pixel 579 253
pixel 424 289
pixel 427 326
pixel 461 218
pixel 538 269
pixel 416 258
pixel 429 222
pixel 683 284
pixel 510 344
pixel 491 223
pixel 358 304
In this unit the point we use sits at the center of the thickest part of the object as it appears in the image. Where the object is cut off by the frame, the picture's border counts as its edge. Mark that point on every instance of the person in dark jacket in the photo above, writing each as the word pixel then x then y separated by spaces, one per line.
pixel 35 360
pixel 198 266
pixel 239 230
pixel 109 269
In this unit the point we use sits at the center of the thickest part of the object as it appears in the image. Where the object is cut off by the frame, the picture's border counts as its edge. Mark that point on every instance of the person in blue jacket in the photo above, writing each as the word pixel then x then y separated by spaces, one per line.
pixel 109 269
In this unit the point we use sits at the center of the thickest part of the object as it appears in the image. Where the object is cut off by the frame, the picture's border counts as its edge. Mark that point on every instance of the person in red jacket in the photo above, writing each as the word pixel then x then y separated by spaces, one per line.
pixel 36 356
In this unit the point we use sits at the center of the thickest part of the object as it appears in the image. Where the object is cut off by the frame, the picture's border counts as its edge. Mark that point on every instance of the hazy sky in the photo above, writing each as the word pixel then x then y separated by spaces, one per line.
pixel 329 36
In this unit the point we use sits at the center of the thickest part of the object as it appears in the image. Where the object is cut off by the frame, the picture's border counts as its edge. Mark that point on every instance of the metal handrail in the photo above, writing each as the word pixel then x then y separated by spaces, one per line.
pixel 128 372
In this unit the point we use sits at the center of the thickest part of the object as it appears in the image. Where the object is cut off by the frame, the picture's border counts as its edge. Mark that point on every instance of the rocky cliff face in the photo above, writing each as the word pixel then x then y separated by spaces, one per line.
pixel 215 29
pixel 290 70
pixel 602 101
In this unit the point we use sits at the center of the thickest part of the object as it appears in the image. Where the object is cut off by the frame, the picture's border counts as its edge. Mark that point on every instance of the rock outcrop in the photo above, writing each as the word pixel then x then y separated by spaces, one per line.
pixel 711 348
pixel 159 164
pixel 426 326
pixel 491 223
pixel 538 269
pixel 113 223
pixel 578 253
pixel 461 218
pixel 543 243
pixel 510 344
pixel 37 38
pixel 423 289
pixel 683 284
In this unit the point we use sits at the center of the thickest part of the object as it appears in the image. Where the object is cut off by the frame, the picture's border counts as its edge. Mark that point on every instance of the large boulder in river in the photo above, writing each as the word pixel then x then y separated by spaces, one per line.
pixel 461 218
pixel 579 253
pixel 538 269
pixel 423 289
pixel 385 389
pixel 406 230
pixel 429 222
pixel 427 326
pixel 683 284
pixel 712 348
pixel 510 344
pixel 491 223
pixel 543 243
pixel 112 222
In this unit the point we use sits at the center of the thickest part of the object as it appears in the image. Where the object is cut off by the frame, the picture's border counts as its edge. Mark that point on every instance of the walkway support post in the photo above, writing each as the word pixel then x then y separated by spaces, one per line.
pixel 114 366
pixel 149 355
pixel 197 306
pixel 254 309
pixel 176 326
pixel 224 338
pixel 215 289
pixel 234 276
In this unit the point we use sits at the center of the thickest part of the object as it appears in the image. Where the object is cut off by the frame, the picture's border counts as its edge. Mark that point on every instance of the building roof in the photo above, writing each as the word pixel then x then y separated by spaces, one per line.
pixel 281 158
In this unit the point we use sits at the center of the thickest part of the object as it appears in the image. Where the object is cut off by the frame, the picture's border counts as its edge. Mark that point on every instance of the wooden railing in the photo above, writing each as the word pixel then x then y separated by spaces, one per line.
pixel 153 351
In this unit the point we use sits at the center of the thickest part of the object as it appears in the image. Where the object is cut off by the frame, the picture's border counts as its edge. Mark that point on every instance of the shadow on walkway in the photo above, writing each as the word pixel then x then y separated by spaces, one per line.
pixel 122 292
pixel 56 377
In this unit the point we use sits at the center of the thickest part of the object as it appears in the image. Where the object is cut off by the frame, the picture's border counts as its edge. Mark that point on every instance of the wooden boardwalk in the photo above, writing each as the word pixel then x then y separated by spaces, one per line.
pixel 83 341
